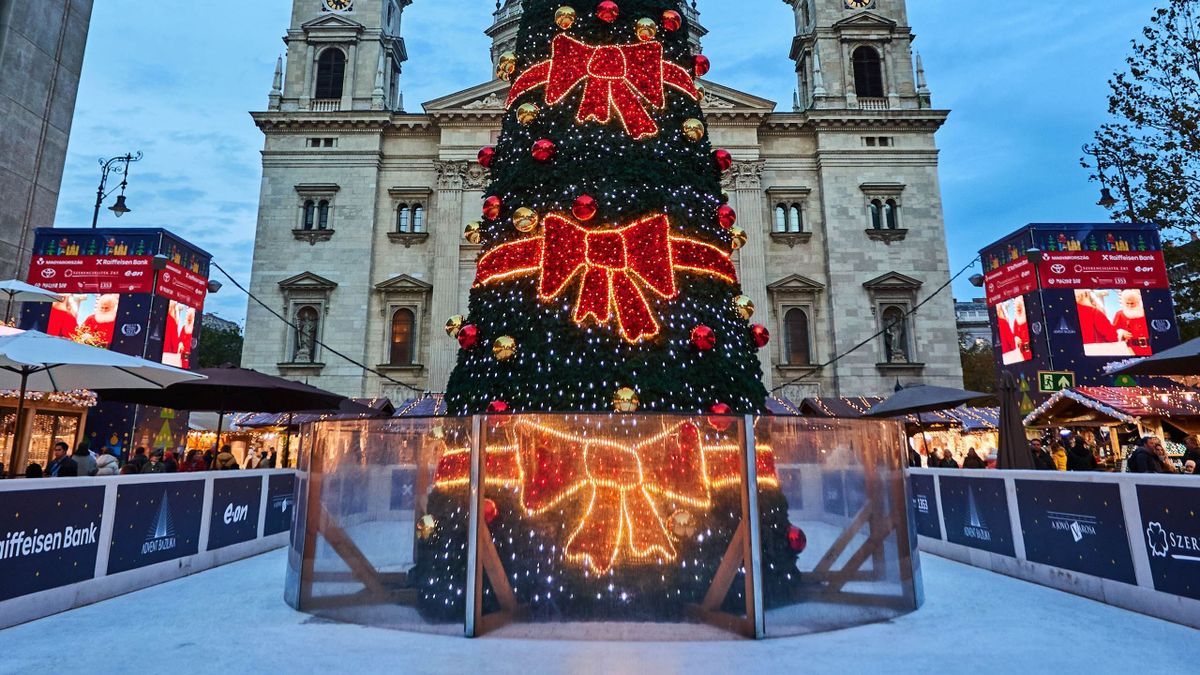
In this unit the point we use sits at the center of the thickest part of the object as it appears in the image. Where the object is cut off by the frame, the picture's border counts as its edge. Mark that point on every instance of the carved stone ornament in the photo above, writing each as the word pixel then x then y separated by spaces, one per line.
pixel 462 175
pixel 312 236
pixel 492 101
pixel 744 175
pixel 712 102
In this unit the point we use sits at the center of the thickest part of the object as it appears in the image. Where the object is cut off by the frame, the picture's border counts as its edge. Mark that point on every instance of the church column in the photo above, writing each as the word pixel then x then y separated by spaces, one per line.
pixel 745 177
pixel 891 76
pixel 351 82
pixel 310 65
pixel 447 236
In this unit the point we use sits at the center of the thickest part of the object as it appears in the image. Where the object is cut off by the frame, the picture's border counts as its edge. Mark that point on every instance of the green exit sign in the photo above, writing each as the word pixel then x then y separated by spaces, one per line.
pixel 1050 382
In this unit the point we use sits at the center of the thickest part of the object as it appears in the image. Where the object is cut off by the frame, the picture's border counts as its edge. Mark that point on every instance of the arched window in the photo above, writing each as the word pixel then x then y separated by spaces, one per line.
pixel 402 338
pixel 891 214
pixel 402 221
pixel 876 209
pixel 795 219
pixel 331 73
pixel 304 344
pixel 796 335
pixel 895 335
pixel 781 216
pixel 418 218
pixel 868 73
pixel 310 214
pixel 323 215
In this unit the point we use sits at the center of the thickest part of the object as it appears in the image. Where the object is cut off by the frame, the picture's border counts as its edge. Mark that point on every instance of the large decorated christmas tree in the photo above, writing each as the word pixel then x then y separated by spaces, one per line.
pixel 605 285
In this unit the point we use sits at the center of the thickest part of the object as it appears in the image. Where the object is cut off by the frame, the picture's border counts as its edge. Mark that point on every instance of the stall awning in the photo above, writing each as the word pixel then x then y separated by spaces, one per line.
pixel 1103 406
pixel 852 407
pixel 359 408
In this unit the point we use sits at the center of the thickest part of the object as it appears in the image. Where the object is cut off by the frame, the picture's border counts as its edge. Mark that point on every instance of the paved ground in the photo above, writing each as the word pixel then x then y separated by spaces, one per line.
pixel 233 620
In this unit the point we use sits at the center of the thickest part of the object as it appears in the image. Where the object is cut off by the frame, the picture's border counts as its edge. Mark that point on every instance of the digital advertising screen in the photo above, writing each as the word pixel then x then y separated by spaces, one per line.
pixel 1112 322
pixel 89 318
pixel 1012 322
pixel 178 335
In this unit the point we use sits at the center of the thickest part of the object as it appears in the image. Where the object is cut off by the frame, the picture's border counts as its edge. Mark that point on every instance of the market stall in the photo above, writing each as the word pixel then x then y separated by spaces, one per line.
pixel 49 417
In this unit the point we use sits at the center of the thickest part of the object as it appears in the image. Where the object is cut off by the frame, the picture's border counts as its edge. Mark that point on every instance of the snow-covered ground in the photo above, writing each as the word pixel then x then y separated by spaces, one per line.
pixel 233 620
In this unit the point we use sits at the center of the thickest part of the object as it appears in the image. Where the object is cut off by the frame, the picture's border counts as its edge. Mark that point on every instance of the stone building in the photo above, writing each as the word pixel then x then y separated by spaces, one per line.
pixel 363 205
pixel 41 55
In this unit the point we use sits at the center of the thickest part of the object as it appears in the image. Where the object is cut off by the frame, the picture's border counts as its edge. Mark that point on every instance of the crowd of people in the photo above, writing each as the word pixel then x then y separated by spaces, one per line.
pixel 1150 456
pixel 1073 452
pixel 86 462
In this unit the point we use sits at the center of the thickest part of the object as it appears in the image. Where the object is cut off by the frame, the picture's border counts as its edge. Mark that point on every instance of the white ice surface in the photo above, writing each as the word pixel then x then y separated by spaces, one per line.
pixel 233 620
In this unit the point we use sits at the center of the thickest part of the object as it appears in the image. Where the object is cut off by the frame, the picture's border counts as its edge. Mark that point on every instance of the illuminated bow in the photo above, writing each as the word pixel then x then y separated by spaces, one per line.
pixel 621 77
pixel 615 265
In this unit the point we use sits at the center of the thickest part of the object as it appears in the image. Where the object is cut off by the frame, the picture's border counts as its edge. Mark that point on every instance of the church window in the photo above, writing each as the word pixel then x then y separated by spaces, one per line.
pixel 331 74
pixel 895 335
pixel 410 218
pixel 789 218
pixel 876 210
pixel 868 73
pixel 781 214
pixel 304 342
pixel 402 334
pixel 891 212
pixel 798 344
pixel 418 218
pixel 795 219
pixel 310 214
pixel 323 214
pixel 403 224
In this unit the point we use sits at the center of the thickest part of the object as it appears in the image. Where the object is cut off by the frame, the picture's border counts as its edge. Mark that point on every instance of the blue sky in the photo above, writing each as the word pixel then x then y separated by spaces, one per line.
pixel 1025 81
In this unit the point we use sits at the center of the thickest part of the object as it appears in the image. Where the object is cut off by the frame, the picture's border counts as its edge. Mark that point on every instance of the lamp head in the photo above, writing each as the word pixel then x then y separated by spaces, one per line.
pixel 119 208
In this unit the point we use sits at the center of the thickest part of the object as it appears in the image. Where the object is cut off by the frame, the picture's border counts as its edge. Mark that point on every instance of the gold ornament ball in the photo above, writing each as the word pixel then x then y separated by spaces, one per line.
pixel 425 526
pixel 527 113
pixel 565 17
pixel 683 524
pixel 625 400
pixel 455 324
pixel 504 348
pixel 474 232
pixel 744 306
pixel 739 237
pixel 700 89
pixel 646 29
pixel 693 129
pixel 506 66
pixel 525 219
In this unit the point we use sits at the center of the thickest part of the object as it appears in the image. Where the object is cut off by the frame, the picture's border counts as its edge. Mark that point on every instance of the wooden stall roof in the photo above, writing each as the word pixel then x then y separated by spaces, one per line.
pixel 1105 406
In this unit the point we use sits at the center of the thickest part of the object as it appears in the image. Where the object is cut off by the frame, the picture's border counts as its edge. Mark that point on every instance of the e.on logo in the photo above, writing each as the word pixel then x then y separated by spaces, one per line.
pixel 236 514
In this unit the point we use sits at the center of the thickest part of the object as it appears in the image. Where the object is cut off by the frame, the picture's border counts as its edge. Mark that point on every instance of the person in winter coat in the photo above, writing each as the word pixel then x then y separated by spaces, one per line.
pixel 1143 459
pixel 1079 455
pixel 106 463
pixel 210 458
pixel 62 465
pixel 1059 454
pixel 86 465
pixel 139 459
pixel 268 461
pixel 1192 454
pixel 974 461
pixel 252 459
pixel 225 460
pixel 1042 461
pixel 194 462
pixel 1160 451
pixel 34 470
pixel 155 465
pixel 169 463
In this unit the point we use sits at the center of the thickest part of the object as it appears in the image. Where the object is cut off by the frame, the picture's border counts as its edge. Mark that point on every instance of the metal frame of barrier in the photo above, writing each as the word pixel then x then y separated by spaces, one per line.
pixel 148 529
pixel 868 569
pixel 1117 553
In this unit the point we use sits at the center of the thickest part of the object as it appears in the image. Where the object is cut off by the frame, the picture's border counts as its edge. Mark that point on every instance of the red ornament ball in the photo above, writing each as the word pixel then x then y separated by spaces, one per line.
pixel 701 65
pixel 491 208
pixel 497 407
pixel 703 338
pixel 721 420
pixel 723 159
pixel 797 540
pixel 584 207
pixel 468 336
pixel 608 11
pixel 726 216
pixel 671 20
pixel 490 510
pixel 760 334
pixel 486 155
pixel 543 150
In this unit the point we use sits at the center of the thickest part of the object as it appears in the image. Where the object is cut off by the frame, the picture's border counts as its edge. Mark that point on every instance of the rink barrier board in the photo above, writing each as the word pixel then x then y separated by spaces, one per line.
pixel 1128 540
pixel 70 542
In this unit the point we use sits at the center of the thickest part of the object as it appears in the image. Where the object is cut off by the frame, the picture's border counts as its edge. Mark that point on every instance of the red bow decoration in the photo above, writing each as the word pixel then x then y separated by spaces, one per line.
pixel 625 77
pixel 615 265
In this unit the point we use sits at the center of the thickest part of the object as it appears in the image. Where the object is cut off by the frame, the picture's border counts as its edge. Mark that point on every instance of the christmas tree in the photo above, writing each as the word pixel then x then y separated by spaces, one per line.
pixel 605 284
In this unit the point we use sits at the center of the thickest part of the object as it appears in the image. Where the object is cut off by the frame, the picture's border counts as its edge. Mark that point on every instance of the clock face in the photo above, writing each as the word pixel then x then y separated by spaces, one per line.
pixel 342 5
pixel 859 4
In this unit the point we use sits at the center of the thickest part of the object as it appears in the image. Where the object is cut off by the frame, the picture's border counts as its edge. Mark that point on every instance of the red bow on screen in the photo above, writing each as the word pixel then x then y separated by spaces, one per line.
pixel 615 266
pixel 624 77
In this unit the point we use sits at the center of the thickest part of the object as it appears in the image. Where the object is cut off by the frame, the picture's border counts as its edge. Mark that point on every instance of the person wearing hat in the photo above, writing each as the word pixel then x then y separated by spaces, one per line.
pixel 155 465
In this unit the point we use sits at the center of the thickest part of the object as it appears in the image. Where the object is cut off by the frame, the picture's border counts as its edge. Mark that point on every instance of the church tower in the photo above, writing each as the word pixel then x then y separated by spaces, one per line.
pixel 857 55
pixel 342 55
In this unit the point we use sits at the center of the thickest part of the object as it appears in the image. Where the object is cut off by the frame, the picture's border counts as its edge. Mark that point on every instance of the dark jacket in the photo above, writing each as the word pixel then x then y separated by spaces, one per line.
pixel 225 462
pixel 139 461
pixel 61 468
pixel 154 467
pixel 1042 460
pixel 1079 458
pixel 974 461
pixel 948 463
pixel 1193 455
pixel 1143 460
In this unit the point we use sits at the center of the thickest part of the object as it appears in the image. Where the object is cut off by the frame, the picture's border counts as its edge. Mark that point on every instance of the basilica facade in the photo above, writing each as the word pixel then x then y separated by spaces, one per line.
pixel 360 244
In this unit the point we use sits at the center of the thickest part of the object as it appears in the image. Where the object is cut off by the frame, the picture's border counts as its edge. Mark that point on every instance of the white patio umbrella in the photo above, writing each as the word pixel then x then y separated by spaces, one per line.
pixel 19 291
pixel 34 361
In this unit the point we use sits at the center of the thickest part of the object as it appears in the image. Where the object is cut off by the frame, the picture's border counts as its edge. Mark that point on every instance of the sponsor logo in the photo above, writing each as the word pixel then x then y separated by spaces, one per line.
pixel 1059 268
pixel 1161 325
pixel 1077 525
pixel 49 273
pixel 976 528
pixel 922 504
pixel 1063 327
pixel 236 514
pixel 21 544
pixel 281 502
pixel 166 277
pixel 1036 327
pixel 131 329
pixel 1164 544
pixel 161 535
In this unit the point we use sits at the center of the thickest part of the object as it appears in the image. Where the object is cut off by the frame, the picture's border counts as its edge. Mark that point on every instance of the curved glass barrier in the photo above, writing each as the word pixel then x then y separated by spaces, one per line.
pixel 649 527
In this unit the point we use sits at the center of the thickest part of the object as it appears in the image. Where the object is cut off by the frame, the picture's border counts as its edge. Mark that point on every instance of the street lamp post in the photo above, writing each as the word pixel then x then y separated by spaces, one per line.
pixel 1111 160
pixel 107 166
